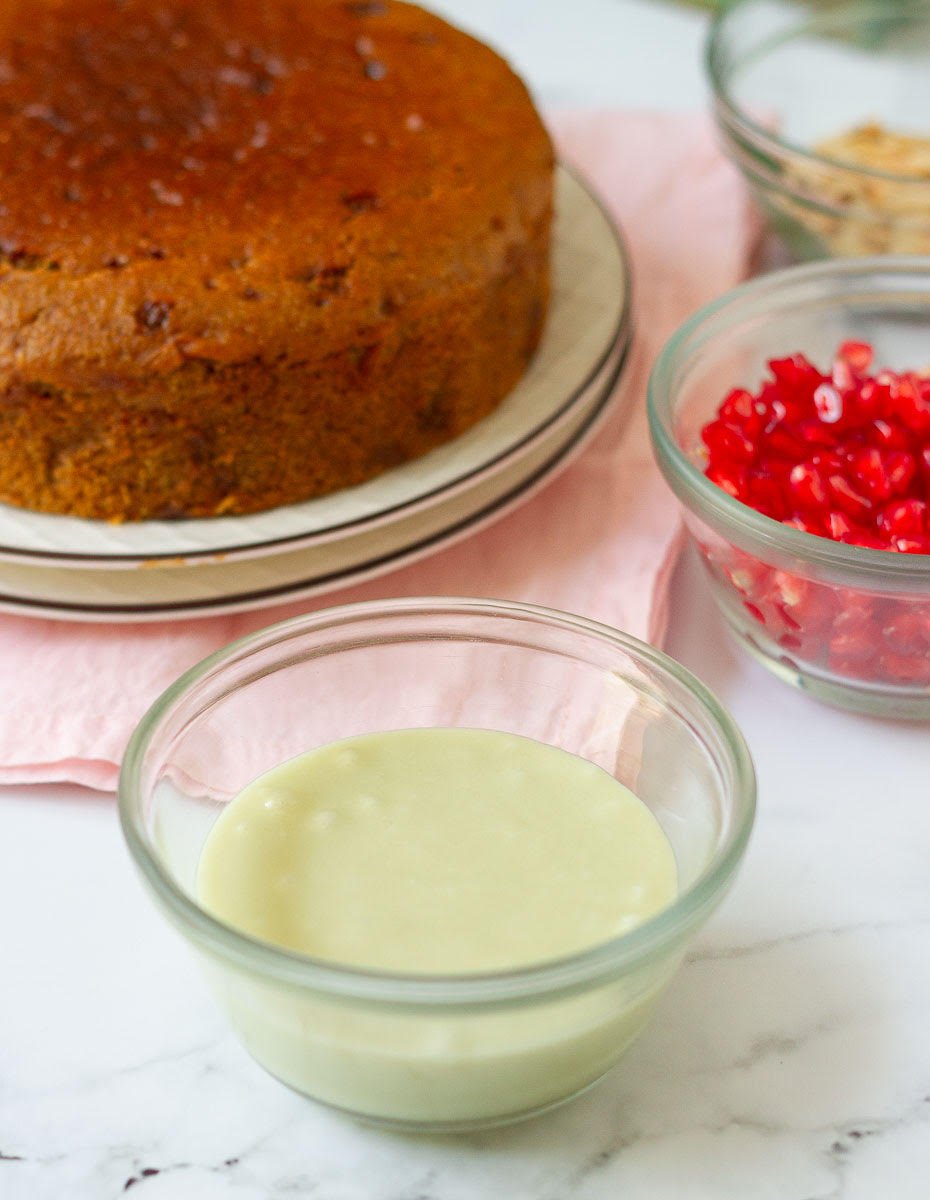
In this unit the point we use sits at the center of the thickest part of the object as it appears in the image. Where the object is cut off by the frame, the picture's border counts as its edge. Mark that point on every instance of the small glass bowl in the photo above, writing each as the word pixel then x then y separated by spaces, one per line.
pixel 849 625
pixel 785 76
pixel 430 1051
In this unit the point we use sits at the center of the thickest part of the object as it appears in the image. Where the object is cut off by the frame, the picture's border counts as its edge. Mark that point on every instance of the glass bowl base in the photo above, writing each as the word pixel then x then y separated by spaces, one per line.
pixel 424 1128
pixel 859 696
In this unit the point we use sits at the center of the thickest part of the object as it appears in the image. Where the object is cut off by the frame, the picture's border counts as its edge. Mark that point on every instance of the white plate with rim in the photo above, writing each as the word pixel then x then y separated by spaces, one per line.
pixel 589 316
pixel 208 589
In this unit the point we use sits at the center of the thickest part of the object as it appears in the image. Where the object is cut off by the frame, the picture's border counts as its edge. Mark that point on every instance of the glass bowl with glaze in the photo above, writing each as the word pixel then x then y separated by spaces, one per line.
pixel 422 1051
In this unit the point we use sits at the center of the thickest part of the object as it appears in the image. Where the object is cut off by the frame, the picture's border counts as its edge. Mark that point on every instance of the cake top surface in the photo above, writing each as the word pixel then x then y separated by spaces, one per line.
pixel 134 132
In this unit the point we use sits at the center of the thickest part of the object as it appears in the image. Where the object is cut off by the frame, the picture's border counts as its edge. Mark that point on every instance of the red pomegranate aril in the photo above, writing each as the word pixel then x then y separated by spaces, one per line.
pixel 845 456
pixel 858 354
pixel 905 668
pixel 841 527
pixel 814 434
pixel 805 605
pixel 845 497
pixel 885 435
pixel 807 524
pixel 906 633
pixel 911 406
pixel 727 442
pixel 749 577
pixel 829 461
pixel 902 468
pixel 856 613
pixel 734 479
pixel 842 376
pixel 808 487
pixel 903 518
pixel 795 372
pixel 852 668
pixel 754 611
pixel 766 495
pixel 787 444
pixel 869 541
pixel 739 407
pixel 869 467
pixel 911 545
pixel 857 645
pixel 828 401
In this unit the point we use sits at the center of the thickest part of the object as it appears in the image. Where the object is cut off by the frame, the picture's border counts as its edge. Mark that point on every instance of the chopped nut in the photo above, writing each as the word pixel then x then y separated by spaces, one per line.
pixel 882 209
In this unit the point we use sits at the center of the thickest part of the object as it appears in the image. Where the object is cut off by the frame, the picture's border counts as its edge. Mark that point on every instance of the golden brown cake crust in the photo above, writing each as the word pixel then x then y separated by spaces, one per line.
pixel 253 250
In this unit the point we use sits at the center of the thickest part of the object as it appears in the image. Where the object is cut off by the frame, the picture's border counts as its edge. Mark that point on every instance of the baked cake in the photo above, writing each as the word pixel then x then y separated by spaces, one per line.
pixel 254 250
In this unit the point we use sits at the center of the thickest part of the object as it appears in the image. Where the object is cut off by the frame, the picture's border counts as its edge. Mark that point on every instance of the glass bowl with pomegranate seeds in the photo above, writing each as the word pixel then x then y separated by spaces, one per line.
pixel 792 420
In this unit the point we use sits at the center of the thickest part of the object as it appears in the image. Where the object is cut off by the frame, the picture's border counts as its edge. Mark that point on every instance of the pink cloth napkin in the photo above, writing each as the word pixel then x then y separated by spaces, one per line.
pixel 600 540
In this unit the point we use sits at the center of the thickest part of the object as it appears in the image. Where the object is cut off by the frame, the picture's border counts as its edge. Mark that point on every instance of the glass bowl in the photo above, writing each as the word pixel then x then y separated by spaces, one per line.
pixel 785 77
pixel 431 1051
pixel 849 625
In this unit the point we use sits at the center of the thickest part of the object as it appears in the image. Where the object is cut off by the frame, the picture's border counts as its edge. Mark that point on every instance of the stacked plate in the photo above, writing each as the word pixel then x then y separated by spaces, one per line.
pixel 54 566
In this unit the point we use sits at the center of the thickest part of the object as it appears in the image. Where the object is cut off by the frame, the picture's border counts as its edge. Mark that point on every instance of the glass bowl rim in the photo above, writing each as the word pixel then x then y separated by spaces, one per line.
pixel 571 973
pixel 678 466
pixel 764 137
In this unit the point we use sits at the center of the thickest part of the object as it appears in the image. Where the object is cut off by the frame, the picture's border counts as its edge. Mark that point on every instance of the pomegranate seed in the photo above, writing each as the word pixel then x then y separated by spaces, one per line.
pixel 750 578
pixel 754 611
pixel 829 402
pixel 766 495
pixel 727 441
pixel 869 468
pixel 883 434
pixel 734 480
pixel 805 524
pixel 856 612
pixel 905 668
pixel 853 503
pixel 911 545
pixel 901 468
pixel 851 667
pixel 868 541
pixel 842 376
pixel 857 354
pixel 906 633
pixel 815 434
pixel 796 372
pixel 804 605
pixel 903 518
pixel 786 444
pixel 739 407
pixel 807 486
pixel 911 406
pixel 856 645
pixel 840 527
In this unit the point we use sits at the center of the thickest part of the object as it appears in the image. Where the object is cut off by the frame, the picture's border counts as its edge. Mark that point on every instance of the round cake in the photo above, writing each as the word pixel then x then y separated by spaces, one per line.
pixel 252 251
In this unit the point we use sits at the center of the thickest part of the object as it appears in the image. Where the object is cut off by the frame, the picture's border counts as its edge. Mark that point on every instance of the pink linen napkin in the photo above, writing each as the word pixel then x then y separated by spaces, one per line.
pixel 600 540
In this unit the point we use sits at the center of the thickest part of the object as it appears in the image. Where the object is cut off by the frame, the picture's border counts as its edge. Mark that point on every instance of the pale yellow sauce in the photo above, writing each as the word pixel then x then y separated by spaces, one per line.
pixel 436 851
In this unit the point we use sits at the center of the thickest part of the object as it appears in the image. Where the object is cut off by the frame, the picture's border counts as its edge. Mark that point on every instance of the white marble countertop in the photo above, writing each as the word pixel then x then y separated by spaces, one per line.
pixel 789 1061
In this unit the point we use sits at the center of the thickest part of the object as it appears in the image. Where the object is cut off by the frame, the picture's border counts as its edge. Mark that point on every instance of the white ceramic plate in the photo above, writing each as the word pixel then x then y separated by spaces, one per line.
pixel 589 317
pixel 206 589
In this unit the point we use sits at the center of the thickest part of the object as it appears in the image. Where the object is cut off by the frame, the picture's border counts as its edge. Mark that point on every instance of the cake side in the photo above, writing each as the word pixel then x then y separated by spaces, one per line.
pixel 240 271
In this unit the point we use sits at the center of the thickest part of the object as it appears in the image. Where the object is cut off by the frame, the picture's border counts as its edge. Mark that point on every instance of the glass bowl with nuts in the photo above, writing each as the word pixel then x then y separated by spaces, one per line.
pixel 825 109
